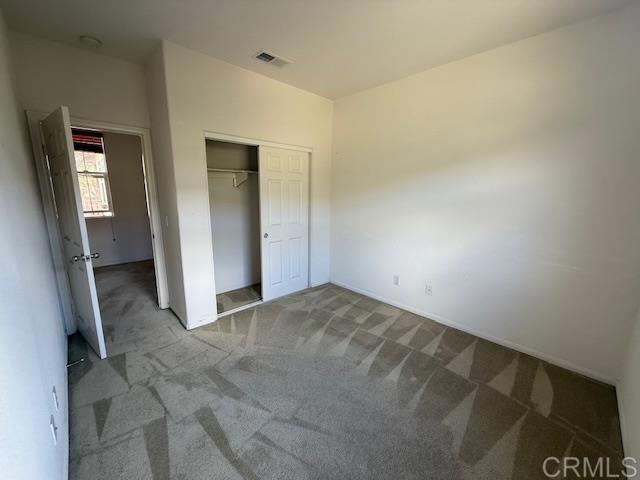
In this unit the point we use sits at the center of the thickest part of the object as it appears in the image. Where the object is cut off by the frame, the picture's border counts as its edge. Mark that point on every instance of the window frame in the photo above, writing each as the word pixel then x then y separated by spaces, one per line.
pixel 110 212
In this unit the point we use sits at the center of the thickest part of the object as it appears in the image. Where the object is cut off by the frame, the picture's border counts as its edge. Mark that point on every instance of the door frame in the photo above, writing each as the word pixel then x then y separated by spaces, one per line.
pixel 254 142
pixel 151 194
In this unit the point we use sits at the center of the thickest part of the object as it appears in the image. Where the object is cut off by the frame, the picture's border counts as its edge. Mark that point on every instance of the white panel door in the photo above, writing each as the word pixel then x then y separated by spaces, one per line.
pixel 284 221
pixel 58 144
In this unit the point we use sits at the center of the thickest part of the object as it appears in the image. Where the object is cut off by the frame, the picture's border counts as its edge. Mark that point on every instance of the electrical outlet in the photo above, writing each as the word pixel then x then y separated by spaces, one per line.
pixel 396 280
pixel 54 430
pixel 428 289
pixel 56 403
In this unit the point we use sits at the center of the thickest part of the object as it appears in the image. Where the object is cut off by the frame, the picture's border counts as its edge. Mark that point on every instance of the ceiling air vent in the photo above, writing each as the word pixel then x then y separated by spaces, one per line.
pixel 272 59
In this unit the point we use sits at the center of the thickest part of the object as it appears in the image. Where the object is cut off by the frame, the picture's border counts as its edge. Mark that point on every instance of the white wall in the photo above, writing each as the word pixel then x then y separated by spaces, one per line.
pixel 628 390
pixel 166 183
pixel 126 237
pixel 93 86
pixel 207 94
pixel 508 181
pixel 32 339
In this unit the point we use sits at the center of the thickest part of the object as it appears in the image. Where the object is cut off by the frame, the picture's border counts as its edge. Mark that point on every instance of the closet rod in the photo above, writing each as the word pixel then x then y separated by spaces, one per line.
pixel 231 170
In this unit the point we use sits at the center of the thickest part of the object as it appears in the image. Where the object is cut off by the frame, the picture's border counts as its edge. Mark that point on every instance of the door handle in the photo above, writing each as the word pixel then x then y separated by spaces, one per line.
pixel 95 255
pixel 266 235
pixel 77 258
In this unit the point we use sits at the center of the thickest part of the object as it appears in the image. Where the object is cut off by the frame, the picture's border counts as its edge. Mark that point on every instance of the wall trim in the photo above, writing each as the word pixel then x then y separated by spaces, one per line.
pixel 200 323
pixel 51 221
pixel 500 341
pixel 621 418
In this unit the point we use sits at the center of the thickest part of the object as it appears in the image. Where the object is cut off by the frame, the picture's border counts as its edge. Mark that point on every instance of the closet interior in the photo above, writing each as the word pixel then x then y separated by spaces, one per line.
pixel 234 202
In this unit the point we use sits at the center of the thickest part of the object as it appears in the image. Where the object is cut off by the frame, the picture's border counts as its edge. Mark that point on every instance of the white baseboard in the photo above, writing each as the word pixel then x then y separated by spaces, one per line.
pixel 623 430
pixel 500 341
pixel 201 322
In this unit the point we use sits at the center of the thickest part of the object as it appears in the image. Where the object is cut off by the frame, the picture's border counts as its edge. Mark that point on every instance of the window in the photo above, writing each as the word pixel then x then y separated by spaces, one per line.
pixel 93 176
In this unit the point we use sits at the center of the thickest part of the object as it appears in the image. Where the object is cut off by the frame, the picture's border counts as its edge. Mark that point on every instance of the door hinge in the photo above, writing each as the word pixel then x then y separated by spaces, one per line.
pixel 85 258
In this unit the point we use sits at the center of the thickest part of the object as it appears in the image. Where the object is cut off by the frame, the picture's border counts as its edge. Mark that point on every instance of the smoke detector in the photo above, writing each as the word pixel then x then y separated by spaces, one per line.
pixel 272 59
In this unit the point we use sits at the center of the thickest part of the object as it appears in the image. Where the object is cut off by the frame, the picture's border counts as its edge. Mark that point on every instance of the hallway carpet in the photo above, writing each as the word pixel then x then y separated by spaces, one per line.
pixel 322 384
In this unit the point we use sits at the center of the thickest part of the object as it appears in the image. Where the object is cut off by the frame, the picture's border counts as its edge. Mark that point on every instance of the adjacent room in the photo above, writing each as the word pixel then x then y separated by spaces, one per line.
pixel 320 240
pixel 113 191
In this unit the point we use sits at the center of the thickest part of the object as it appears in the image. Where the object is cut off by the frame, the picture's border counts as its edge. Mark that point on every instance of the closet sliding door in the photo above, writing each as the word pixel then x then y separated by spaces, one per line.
pixel 284 221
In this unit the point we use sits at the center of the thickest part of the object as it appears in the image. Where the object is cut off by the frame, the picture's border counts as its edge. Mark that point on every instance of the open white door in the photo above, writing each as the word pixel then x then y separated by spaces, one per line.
pixel 284 221
pixel 58 145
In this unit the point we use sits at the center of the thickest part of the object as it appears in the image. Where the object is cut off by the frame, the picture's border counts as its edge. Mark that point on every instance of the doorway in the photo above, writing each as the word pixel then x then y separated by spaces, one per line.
pixel 74 214
pixel 113 192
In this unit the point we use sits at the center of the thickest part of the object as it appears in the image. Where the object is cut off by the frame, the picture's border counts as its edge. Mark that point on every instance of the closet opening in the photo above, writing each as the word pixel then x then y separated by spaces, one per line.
pixel 234 203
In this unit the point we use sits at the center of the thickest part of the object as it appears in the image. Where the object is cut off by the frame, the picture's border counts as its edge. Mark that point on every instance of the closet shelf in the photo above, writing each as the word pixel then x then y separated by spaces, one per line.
pixel 239 176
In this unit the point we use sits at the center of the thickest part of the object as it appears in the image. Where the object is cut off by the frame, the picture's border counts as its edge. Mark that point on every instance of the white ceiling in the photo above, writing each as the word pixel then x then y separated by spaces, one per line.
pixel 338 46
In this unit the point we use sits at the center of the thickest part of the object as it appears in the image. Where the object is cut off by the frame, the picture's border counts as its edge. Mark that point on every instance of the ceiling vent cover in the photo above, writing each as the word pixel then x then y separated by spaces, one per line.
pixel 272 59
